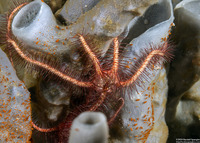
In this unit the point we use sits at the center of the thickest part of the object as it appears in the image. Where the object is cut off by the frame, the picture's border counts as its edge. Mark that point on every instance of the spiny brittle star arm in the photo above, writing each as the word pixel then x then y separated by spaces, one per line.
pixel 115 57
pixel 116 113
pixel 44 130
pixel 47 67
pixel 91 55
pixel 99 102
pixel 142 67
pixel 11 16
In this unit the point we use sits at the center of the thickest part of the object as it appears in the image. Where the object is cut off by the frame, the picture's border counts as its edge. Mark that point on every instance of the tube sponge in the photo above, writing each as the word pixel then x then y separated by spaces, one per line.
pixel 149 30
pixel 35 26
pixel 89 127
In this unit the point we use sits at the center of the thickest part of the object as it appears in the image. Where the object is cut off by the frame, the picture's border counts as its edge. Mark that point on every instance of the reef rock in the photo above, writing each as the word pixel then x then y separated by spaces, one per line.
pixel 183 114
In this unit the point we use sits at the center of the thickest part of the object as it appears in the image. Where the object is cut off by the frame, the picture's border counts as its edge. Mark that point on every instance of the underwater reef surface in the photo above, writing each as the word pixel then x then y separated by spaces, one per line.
pixel 15 112
pixel 183 108
pixel 134 99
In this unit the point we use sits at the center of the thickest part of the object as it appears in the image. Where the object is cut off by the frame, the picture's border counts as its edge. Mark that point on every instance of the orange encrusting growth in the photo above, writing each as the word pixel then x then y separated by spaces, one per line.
pixel 150 122
pixel 142 126
pixel 15 122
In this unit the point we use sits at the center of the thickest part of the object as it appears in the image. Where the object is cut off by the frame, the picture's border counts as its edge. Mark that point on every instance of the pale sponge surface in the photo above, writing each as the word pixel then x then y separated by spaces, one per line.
pixel 15 111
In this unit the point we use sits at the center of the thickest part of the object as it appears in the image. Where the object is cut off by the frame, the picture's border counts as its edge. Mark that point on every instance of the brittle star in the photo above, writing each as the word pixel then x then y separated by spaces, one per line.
pixel 104 82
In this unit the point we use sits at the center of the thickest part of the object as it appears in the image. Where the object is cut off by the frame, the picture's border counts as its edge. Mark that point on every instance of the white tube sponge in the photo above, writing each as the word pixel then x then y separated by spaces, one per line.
pixel 89 127
pixel 35 26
